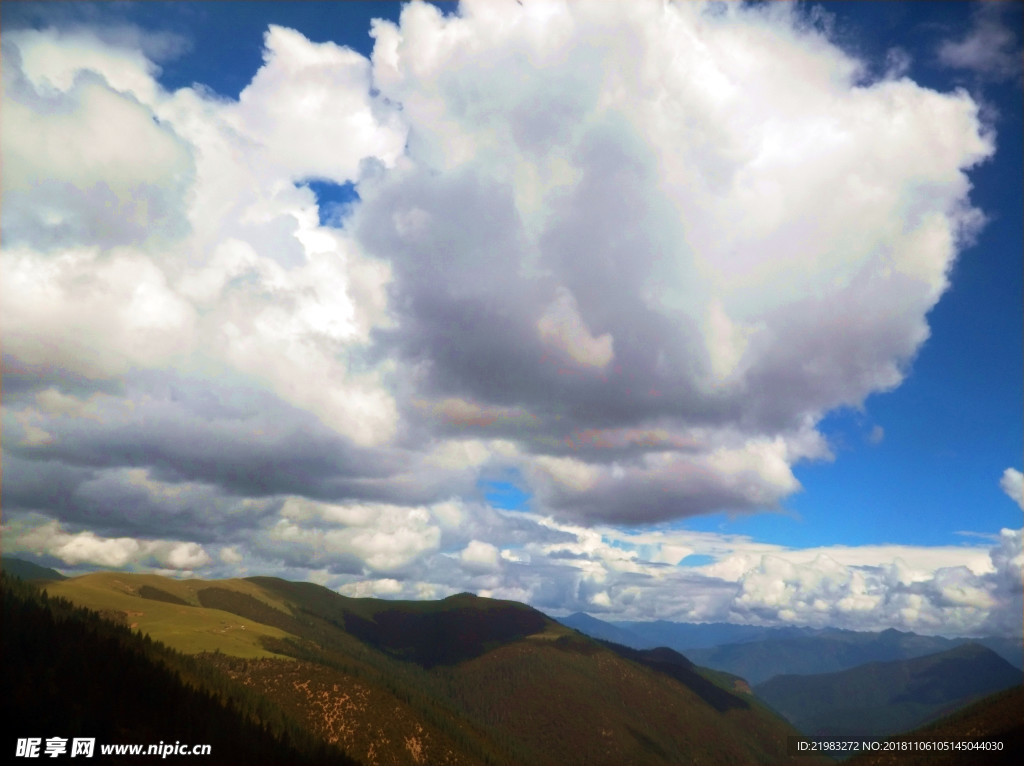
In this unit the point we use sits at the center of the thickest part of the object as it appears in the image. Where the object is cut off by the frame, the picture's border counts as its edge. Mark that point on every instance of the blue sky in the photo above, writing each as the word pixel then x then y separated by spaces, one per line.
pixel 685 312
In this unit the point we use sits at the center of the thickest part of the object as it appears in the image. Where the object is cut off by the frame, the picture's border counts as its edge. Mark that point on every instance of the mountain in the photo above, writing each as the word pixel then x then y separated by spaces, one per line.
pixel 69 673
pixel 883 698
pixel 758 653
pixel 826 652
pixel 26 570
pixel 994 725
pixel 685 636
pixel 681 636
pixel 464 680
pixel 1009 648
pixel 605 631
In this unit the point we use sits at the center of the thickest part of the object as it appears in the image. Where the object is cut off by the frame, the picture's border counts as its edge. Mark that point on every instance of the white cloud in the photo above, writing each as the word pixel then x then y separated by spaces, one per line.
pixel 310 109
pixel 681 205
pixel 897 63
pixel 382 551
pixel 70 179
pixel 244 273
pixel 479 557
pixel 378 537
pixel 51 59
pixel 1012 483
pixel 664 483
pixel 112 552
pixel 92 314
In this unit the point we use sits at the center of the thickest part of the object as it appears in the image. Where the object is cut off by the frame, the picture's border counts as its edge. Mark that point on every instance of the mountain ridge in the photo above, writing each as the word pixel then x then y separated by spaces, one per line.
pixel 878 699
pixel 463 680
pixel 765 652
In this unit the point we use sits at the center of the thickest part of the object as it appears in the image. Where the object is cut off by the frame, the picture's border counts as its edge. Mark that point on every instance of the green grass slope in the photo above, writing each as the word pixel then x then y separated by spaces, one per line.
pixel 68 672
pixel 525 689
pixel 463 680
pixel 571 700
pixel 171 611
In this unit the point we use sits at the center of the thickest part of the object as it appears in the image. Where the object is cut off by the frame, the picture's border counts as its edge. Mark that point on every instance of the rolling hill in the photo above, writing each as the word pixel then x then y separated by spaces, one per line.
pixel 69 673
pixel 883 698
pixel 464 680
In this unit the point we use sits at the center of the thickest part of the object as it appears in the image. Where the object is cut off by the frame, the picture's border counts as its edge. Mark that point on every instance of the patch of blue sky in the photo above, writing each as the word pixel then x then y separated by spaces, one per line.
pixel 334 201
pixel 696 560
pixel 505 495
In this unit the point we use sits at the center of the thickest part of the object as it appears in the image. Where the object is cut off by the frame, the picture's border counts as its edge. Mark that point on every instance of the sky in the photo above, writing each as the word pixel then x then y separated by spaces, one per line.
pixel 683 311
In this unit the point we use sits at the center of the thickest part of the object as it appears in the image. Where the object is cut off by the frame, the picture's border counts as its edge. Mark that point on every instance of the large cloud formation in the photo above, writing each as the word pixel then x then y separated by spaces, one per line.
pixel 630 252
pixel 671 237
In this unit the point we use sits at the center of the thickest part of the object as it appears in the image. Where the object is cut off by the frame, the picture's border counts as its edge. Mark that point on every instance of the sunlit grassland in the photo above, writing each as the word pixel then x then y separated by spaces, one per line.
pixel 189 628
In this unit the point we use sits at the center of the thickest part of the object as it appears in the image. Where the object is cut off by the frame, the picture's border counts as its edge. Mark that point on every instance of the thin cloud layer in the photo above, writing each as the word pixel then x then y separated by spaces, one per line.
pixel 630 254
pixel 990 48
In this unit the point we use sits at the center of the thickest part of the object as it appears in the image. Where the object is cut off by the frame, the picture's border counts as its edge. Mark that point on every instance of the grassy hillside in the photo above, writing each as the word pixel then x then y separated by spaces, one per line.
pixel 70 673
pixel 569 700
pixel 884 698
pixel 171 611
pixel 525 689
pixel 464 680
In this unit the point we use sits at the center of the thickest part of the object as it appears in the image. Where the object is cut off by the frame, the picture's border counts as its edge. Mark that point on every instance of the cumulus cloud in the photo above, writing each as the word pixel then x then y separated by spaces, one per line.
pixel 631 254
pixel 86 547
pixel 640 274
pixel 639 576
pixel 383 538
pixel 244 273
pixel 479 556
pixel 68 178
pixel 954 599
pixel 1012 483
pixel 309 96
pixel 563 278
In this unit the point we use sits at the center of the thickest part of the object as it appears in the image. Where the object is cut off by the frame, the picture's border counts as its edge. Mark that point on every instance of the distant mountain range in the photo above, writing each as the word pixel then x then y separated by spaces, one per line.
pixel 882 698
pixel 757 653
pixel 681 636
pixel 26 570
pixel 464 680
